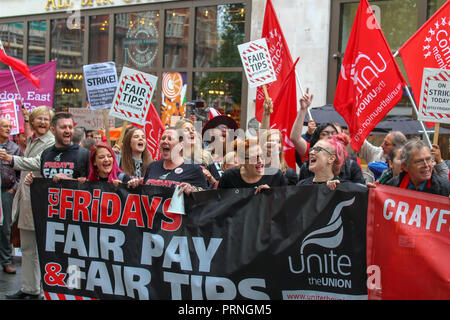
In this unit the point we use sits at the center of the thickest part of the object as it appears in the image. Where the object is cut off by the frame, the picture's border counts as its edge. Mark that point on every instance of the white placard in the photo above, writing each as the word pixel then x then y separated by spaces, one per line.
pixel 101 84
pixel 90 119
pixel 8 111
pixel 435 96
pixel 133 96
pixel 257 63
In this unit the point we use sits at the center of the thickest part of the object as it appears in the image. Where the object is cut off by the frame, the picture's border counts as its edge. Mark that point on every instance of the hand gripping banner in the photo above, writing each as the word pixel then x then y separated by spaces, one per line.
pixel 97 241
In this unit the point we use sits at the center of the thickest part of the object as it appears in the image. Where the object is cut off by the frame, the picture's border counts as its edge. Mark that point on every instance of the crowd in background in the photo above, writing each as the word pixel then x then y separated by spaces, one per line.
pixel 220 156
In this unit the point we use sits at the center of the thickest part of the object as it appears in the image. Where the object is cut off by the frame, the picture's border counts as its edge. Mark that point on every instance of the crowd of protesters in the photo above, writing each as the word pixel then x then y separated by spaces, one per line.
pixel 220 156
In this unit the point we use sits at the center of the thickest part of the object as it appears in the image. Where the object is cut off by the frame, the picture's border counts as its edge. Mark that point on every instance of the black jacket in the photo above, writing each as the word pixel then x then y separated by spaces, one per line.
pixel 72 161
pixel 436 185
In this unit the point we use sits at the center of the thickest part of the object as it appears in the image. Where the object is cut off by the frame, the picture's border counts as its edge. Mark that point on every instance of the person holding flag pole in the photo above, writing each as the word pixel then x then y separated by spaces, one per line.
pixel 370 82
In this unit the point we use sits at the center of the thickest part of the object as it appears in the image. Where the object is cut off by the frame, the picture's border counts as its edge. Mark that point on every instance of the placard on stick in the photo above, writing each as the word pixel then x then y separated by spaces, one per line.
pixel 133 96
pixel 435 96
pixel 8 111
pixel 101 84
pixel 257 63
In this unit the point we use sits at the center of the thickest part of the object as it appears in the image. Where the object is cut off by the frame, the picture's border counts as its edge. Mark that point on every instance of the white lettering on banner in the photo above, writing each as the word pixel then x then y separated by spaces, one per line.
pixel 437 44
pixel 412 216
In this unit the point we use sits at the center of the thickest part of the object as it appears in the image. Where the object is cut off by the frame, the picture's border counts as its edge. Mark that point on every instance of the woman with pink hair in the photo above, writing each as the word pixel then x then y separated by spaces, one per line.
pixel 326 159
pixel 103 166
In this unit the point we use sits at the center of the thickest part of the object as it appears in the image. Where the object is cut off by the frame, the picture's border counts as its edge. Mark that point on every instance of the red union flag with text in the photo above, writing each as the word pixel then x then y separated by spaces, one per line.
pixel 153 131
pixel 282 91
pixel 370 83
pixel 408 240
pixel 429 47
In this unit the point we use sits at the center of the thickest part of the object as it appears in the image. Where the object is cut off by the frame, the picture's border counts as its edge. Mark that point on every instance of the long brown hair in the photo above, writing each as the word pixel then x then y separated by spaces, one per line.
pixel 127 163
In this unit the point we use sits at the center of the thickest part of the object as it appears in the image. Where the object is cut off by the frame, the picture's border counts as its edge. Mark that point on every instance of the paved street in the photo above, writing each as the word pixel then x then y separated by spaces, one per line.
pixel 10 283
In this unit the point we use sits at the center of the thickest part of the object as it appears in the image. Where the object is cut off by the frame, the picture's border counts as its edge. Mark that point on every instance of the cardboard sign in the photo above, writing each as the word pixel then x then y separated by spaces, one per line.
pixel 8 111
pixel 257 63
pixel 90 119
pixel 133 96
pixel 435 96
pixel 101 84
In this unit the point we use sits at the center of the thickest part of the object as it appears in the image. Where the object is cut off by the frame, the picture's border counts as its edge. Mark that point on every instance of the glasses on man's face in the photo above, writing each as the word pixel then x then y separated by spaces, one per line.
pixel 41 119
pixel 317 149
pixel 423 162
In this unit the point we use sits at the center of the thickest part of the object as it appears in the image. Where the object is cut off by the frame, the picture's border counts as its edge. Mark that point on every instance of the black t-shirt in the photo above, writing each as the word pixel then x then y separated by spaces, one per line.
pixel 231 178
pixel 156 175
pixel 72 161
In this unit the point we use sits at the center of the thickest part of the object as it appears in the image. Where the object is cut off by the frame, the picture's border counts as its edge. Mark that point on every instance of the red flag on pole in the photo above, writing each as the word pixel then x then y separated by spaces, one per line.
pixel 429 47
pixel 20 66
pixel 280 55
pixel 153 131
pixel 283 118
pixel 370 83
pixel 283 91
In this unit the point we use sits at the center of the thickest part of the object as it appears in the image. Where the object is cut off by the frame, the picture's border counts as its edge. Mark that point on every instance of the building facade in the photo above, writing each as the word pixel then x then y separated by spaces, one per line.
pixel 196 39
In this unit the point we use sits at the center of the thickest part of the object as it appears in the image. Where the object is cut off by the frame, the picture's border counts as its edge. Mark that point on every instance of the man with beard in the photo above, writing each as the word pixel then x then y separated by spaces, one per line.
pixel 65 159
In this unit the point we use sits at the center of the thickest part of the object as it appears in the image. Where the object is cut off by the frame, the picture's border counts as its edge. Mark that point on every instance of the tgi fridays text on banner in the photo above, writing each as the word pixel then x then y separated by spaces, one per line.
pixel 133 96
pixel 32 97
pixel 8 111
pixel 435 96
pixel 101 84
pixel 257 63
pixel 104 242
pixel 408 238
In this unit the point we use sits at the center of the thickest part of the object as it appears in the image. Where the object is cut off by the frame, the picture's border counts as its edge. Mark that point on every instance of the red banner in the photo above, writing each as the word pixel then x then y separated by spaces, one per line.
pixel 370 83
pixel 408 241
pixel 432 39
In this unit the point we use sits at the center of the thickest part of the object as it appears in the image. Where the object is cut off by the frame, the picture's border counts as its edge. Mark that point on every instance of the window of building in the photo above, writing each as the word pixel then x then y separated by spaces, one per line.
pixel 176 38
pixel 37 31
pixel 12 37
pixel 98 38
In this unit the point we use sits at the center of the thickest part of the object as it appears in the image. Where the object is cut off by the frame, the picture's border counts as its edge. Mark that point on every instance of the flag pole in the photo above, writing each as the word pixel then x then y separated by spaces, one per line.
pixel 416 110
pixel 12 73
pixel 302 93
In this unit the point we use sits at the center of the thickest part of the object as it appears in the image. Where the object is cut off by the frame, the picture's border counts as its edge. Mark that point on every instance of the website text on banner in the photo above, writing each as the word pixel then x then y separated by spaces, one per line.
pixel 104 242
pixel 408 236
pixel 370 83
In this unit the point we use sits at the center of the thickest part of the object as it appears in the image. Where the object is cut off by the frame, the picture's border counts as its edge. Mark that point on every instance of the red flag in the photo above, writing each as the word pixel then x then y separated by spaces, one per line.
pixel 283 118
pixel 427 48
pixel 281 59
pixel 213 113
pixel 283 91
pixel 370 83
pixel 153 131
pixel 20 66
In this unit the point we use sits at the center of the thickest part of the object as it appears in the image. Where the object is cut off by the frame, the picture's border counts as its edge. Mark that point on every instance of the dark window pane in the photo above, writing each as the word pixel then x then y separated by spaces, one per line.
pixel 176 38
pixel 68 87
pixel 36 42
pixel 136 40
pixel 220 90
pixel 11 35
pixel 67 43
pixel 218 31
pixel 98 38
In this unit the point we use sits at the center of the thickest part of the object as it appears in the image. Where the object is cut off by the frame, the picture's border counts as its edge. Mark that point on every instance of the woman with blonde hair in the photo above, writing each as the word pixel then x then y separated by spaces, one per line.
pixel 250 172
pixel 192 144
pixel 272 143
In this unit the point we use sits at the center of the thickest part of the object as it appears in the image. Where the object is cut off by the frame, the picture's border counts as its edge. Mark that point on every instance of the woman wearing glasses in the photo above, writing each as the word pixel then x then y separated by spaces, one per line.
pixel 326 158
pixel 250 172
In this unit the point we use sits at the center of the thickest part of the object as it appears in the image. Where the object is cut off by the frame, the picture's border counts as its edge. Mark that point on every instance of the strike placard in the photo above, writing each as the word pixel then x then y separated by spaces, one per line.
pixel 101 84
pixel 435 96
pixel 257 63
pixel 89 119
pixel 133 96
pixel 8 111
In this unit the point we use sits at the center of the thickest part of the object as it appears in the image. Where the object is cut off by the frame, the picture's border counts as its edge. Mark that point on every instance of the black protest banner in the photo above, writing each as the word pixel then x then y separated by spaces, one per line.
pixel 104 242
